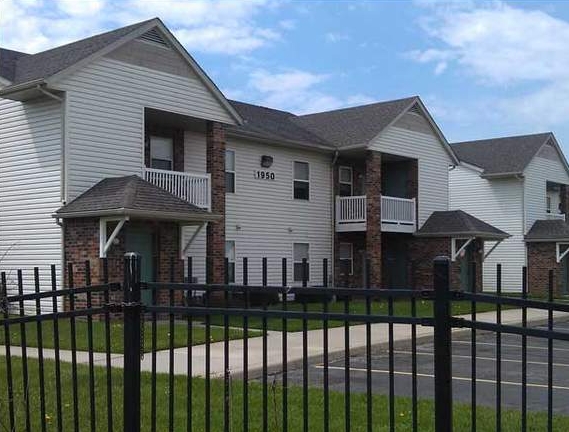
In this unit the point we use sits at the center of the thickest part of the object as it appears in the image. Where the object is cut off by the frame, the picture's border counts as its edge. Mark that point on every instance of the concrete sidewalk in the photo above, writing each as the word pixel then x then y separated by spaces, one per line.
pixel 379 338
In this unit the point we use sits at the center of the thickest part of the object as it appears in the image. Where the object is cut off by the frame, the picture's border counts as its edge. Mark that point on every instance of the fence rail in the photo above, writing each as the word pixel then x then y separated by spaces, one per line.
pixel 204 392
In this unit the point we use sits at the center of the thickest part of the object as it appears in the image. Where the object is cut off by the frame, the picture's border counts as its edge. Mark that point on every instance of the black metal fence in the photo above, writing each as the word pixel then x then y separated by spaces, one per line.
pixel 94 383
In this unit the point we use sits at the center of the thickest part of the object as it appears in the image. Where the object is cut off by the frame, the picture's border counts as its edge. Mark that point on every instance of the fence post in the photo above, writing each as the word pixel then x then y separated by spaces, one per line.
pixel 132 344
pixel 442 342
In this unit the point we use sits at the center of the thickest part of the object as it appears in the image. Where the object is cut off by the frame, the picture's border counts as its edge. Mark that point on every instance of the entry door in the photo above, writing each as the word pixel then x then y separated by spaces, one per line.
pixel 396 260
pixel 466 270
pixel 140 241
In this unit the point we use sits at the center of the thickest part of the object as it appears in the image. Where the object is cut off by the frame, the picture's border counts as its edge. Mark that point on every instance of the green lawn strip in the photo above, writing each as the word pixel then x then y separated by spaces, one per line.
pixel 99 344
pixel 486 417
pixel 401 308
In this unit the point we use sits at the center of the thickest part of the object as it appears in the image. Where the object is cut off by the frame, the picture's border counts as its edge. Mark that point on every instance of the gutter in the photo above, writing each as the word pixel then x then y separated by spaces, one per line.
pixel 23 86
pixel 180 217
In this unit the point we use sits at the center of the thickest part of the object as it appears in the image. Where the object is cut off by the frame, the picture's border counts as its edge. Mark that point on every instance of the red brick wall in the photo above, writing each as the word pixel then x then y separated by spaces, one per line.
pixel 423 251
pixel 82 243
pixel 373 233
pixel 215 139
pixel 542 258
pixel 357 239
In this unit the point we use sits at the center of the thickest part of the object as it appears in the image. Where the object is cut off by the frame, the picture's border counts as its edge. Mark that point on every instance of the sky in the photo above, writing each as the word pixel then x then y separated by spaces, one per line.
pixel 483 69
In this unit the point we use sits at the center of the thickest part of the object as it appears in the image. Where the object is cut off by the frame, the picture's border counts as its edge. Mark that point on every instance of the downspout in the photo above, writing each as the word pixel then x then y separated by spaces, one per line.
pixel 333 263
pixel 63 185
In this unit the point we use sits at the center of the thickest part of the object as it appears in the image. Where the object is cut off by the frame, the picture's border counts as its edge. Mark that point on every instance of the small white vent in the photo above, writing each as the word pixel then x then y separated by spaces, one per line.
pixel 415 109
pixel 153 36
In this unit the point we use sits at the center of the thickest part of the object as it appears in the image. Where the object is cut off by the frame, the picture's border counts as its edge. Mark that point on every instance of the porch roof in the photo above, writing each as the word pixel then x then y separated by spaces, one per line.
pixel 458 223
pixel 134 197
pixel 551 230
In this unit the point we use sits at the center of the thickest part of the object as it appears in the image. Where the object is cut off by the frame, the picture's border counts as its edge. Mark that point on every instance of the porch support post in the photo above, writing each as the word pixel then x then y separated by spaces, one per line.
pixel 104 243
pixel 373 216
pixel 455 253
pixel 215 141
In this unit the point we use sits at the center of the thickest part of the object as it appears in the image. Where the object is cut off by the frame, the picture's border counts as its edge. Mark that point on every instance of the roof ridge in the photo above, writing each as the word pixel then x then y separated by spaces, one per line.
pixel 492 140
pixel 263 107
pixel 134 25
pixel 359 106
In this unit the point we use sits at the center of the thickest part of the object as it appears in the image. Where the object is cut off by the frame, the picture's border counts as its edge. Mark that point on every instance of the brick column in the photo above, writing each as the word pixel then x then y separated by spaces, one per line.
pixel 373 210
pixel 215 138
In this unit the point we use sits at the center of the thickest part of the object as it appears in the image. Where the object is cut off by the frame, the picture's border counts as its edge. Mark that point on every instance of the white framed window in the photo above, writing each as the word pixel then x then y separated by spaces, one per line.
pixel 301 252
pixel 345 179
pixel 301 182
pixel 161 153
pixel 230 256
pixel 229 171
pixel 346 256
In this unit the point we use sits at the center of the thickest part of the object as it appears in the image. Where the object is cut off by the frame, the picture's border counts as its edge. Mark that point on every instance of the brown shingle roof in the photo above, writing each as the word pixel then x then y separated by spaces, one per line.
pixel 548 230
pixel 457 223
pixel 507 155
pixel 132 196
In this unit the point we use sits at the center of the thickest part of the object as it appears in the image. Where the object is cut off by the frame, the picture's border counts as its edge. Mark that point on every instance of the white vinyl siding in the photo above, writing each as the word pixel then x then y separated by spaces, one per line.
pixel 106 116
pixel 264 219
pixel 195 156
pixel 30 179
pixel 539 171
pixel 433 160
pixel 499 203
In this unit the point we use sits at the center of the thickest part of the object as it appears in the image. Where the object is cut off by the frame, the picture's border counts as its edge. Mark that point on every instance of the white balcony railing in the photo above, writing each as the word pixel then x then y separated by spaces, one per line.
pixel 400 211
pixel 560 216
pixel 351 209
pixel 397 214
pixel 191 187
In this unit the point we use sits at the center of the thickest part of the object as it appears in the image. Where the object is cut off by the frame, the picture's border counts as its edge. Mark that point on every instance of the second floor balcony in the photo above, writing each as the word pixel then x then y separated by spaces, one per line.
pixel 191 187
pixel 397 214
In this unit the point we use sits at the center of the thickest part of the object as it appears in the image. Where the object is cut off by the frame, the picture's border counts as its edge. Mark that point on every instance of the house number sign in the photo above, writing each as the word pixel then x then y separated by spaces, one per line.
pixel 264 175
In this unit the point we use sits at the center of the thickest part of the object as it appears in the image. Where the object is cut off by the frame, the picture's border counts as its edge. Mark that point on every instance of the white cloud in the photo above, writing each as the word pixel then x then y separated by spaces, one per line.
pixel 297 91
pixel 509 50
pixel 502 44
pixel 220 26
pixel 336 37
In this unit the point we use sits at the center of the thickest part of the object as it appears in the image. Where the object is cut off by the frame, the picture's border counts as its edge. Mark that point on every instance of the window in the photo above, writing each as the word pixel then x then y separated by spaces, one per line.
pixel 161 153
pixel 301 181
pixel 346 255
pixel 229 171
pixel 345 180
pixel 300 253
pixel 230 255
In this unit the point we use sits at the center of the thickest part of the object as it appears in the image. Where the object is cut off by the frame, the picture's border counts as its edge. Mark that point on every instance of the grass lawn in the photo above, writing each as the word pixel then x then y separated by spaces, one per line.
pixel 486 417
pixel 400 308
pixel 163 331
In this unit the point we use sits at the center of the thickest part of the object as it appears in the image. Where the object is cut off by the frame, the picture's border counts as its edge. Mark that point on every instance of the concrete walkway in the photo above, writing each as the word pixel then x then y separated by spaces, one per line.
pixel 379 336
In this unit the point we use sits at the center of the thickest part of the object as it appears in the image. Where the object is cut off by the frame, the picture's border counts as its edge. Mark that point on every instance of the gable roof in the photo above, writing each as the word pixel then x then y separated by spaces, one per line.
pixel 36 69
pixel 132 196
pixel 273 124
pixel 458 223
pixel 44 64
pixel 357 125
pixel 548 230
pixel 501 156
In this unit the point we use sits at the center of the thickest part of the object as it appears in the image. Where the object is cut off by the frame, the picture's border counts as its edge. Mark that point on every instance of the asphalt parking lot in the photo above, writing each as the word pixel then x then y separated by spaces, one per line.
pixel 486 371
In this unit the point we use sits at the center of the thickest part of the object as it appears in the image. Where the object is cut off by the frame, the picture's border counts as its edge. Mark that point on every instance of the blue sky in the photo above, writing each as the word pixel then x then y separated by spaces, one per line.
pixel 483 69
